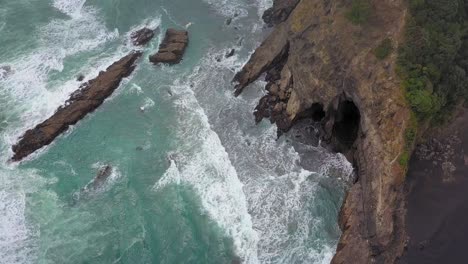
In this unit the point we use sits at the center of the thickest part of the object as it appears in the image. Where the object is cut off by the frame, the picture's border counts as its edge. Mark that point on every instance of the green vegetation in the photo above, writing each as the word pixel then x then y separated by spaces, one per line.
pixel 410 137
pixel 384 49
pixel 433 62
pixel 404 159
pixel 360 12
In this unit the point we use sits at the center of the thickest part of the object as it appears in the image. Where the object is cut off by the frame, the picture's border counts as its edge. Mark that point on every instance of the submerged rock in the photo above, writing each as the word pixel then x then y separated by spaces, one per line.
pixel 83 101
pixel 5 71
pixel 172 48
pixel 103 173
pixel 80 77
pixel 142 36
pixel 230 53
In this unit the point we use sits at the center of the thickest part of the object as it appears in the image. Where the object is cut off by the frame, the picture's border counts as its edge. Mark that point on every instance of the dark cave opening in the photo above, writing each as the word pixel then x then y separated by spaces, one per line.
pixel 346 125
pixel 315 112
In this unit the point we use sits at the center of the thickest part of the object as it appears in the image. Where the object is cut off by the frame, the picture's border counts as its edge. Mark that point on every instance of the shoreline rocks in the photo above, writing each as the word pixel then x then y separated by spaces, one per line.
pixel 172 48
pixel 142 36
pixel 83 101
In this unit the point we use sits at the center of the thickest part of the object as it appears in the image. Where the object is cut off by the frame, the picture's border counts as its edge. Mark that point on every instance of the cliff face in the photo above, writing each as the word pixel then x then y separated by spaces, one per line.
pixel 317 61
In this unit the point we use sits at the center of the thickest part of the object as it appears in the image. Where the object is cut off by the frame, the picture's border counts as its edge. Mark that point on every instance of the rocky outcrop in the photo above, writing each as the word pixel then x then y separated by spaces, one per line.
pixel 317 61
pixel 172 48
pixel 83 101
pixel 142 36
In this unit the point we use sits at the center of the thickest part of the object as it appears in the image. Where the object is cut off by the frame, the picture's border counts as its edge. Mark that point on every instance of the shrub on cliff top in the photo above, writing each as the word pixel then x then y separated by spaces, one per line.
pixel 360 12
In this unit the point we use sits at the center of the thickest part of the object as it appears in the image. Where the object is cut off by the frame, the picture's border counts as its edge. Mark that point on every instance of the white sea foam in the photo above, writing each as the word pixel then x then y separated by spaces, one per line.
pixel 71 8
pixel 202 162
pixel 17 243
pixel 228 8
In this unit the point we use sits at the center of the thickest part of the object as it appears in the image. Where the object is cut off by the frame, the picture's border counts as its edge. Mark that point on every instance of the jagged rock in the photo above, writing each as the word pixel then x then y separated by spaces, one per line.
pixel 83 101
pixel 172 48
pixel 273 89
pixel 142 36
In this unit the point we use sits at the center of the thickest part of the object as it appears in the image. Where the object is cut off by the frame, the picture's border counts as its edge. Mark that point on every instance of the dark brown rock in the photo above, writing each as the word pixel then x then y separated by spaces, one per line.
pixel 142 36
pixel 85 100
pixel 172 48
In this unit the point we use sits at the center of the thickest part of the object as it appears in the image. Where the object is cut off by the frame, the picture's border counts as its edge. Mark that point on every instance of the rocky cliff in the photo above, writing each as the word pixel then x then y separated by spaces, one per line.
pixel 318 64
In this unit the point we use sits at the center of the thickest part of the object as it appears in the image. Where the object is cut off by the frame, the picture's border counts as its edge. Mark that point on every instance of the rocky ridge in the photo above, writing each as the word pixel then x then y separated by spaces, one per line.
pixel 83 101
pixel 318 64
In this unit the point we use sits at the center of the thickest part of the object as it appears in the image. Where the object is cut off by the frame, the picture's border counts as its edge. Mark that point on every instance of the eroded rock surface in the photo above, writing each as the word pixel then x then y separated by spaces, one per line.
pixel 142 36
pixel 172 48
pixel 83 101
pixel 317 61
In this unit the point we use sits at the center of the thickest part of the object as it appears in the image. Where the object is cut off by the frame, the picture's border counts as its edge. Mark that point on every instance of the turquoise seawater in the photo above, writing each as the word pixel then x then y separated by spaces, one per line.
pixel 194 179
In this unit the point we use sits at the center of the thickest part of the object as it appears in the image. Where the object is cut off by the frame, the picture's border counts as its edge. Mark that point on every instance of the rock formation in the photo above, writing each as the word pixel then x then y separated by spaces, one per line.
pixel 172 48
pixel 142 36
pixel 83 101
pixel 318 64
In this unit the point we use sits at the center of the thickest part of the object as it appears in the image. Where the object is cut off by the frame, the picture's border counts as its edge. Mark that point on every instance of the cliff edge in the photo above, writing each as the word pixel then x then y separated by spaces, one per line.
pixel 319 64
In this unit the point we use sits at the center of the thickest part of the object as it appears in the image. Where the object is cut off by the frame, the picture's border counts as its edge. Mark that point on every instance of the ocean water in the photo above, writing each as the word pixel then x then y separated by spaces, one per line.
pixel 194 180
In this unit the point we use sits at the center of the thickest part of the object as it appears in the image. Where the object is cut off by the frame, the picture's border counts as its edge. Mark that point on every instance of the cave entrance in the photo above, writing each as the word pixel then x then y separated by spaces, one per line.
pixel 316 112
pixel 346 125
